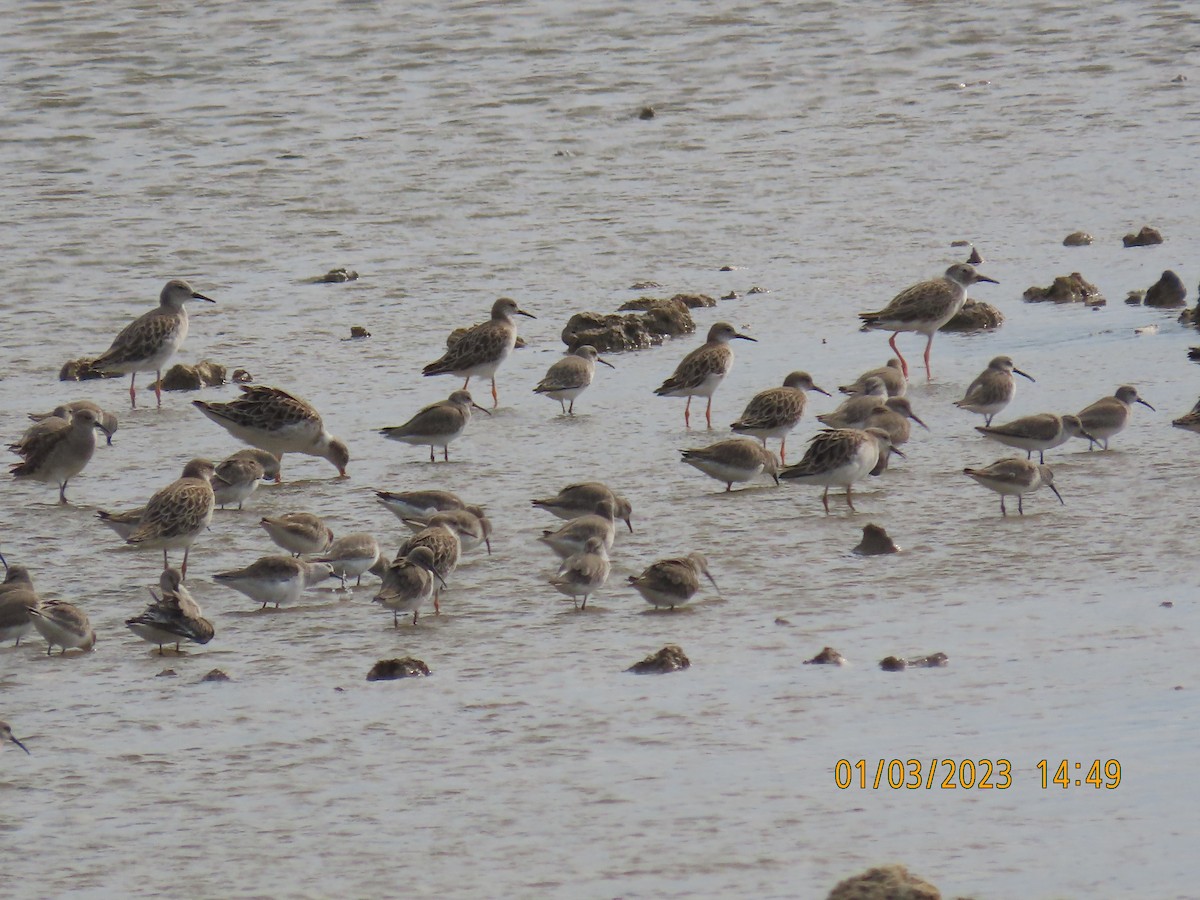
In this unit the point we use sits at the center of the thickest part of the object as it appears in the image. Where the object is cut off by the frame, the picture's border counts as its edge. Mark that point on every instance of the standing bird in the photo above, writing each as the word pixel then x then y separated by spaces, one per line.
pixel 577 500
pixel 842 456
pixel 924 308
pixel 443 542
pixel 58 450
pixel 172 618
pixel 853 412
pixel 418 504
pixel 570 376
pixel 1040 432
pixel 275 579
pixel 408 583
pixel 148 342
pixel 702 370
pixel 993 389
pixel 893 417
pixel 1109 415
pixel 235 479
pixel 17 598
pixel 275 421
pixel 63 625
pixel 107 421
pixel 437 424
pixel 470 523
pixel 582 574
pixel 891 374
pixel 351 555
pixel 776 411
pixel 1014 476
pixel 672 582
pixel 572 538
pixel 298 532
pixel 483 347
pixel 736 459
pixel 178 514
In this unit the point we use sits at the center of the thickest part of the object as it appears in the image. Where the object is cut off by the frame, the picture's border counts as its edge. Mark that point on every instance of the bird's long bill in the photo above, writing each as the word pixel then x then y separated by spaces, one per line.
pixel 1025 374
pixel 919 422
pixel 605 362
pixel 708 575
pixel 629 523
pixel 1084 434
pixel 196 295
pixel 821 390
pixel 1144 403
pixel 475 405
pixel 157 599
pixel 746 337
pixel 1057 494
pixel 13 737
pixel 5 561
pixel 900 453
pixel 487 542
pixel 521 312
pixel 979 277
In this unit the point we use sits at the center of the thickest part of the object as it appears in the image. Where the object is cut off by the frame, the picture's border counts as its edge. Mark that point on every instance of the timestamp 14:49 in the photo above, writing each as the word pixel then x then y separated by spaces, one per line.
pixel 1099 773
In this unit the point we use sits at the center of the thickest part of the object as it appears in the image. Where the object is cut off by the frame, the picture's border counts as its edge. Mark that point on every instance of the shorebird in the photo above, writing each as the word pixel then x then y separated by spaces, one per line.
pixel 582 574
pixel 1014 476
pixel 63 625
pixel 298 532
pixel 7 735
pixel 842 456
pixel 924 308
pixel 17 598
pixel 993 389
pixel 275 421
pixel 776 411
pixel 178 514
pixel 437 424
pixel 268 461
pixel 1109 415
pixel 408 583
pixel 148 342
pixel 736 459
pixel 1189 421
pixel 891 374
pixel 443 542
pixel 1040 432
pixel 351 555
pixel 172 618
pixel 570 376
pixel 672 582
pixel 702 370
pixel 572 537
pixel 577 500
pixel 235 479
pixel 417 504
pixel 470 524
pixel 123 523
pixel 275 579
pixel 853 412
pixel 58 450
pixel 106 421
pixel 893 417
pixel 483 347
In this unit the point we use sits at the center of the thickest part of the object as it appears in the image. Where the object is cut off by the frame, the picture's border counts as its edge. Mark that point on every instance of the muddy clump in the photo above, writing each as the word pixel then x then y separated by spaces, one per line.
pixel 1166 293
pixel 885 883
pixel 875 542
pixel 608 333
pixel 1147 237
pixel 1078 239
pixel 975 316
pixel 1071 288
pixel 182 377
pixel 827 657
pixel 900 663
pixel 391 669
pixel 670 658
pixel 216 675
pixel 339 275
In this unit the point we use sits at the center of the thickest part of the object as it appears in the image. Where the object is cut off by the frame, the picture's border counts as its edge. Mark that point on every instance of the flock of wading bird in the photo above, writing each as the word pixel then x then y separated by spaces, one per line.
pixel 858 439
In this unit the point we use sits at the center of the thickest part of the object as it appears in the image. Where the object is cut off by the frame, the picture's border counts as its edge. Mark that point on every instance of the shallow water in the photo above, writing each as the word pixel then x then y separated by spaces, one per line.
pixel 453 154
